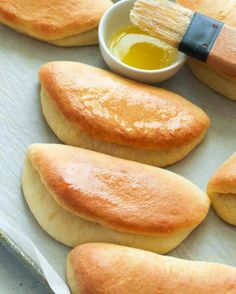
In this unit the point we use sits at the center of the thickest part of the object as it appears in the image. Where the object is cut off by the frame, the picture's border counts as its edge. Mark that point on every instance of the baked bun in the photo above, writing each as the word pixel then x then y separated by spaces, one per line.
pixel 81 196
pixel 222 190
pixel 59 22
pixel 98 110
pixel 225 11
pixel 105 268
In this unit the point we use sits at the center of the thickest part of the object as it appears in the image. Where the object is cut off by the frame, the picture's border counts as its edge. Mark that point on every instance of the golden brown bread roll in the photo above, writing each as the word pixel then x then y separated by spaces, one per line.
pixel 111 269
pixel 98 110
pixel 225 11
pixel 59 22
pixel 222 190
pixel 81 196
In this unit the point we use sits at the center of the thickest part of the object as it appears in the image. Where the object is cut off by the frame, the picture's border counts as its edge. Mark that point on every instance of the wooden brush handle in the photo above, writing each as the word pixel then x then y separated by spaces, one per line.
pixel 223 52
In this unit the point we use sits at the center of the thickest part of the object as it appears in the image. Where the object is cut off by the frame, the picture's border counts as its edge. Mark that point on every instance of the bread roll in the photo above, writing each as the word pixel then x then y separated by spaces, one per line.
pixel 81 196
pixel 225 11
pixel 59 22
pixel 98 110
pixel 111 269
pixel 222 190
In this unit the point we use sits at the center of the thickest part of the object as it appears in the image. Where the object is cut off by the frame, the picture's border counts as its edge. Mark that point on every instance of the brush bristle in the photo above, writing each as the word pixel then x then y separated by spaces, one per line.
pixel 162 19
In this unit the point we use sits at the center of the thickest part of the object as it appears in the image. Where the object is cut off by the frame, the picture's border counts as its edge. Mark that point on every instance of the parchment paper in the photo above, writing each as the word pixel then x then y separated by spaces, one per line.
pixel 21 124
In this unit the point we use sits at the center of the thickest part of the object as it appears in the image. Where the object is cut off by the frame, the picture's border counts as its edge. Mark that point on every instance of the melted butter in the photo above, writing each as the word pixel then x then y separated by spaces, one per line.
pixel 137 49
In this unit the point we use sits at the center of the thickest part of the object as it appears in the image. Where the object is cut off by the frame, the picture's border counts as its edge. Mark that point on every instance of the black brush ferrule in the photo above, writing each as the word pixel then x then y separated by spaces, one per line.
pixel 200 36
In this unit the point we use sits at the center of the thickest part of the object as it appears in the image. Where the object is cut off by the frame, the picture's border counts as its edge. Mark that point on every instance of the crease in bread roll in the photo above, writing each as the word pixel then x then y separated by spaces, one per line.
pixel 225 11
pixel 80 196
pixel 106 268
pixel 98 110
pixel 222 190
pixel 84 39
pixel 59 22
pixel 219 82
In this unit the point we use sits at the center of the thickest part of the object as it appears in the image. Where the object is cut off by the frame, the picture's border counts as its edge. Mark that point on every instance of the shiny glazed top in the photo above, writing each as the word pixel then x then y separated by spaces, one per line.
pixel 53 19
pixel 135 271
pixel 119 194
pixel 114 109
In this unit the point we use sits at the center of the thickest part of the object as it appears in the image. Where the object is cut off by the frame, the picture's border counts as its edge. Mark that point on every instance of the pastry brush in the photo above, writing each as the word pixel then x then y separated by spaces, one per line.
pixel 193 33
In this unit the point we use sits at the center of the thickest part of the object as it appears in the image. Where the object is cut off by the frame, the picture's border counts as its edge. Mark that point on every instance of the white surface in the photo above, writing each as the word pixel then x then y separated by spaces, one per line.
pixel 114 19
pixel 21 124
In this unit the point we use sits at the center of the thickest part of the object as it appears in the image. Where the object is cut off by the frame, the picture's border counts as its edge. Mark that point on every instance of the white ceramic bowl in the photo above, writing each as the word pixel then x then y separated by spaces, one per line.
pixel 116 18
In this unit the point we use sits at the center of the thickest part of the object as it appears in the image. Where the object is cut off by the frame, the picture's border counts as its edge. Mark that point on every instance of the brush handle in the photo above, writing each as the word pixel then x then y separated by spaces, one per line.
pixel 223 53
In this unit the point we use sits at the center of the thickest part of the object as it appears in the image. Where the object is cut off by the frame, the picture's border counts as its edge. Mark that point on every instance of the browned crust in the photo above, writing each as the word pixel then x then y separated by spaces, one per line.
pixel 224 179
pixel 119 194
pixel 222 10
pixel 114 109
pixel 106 268
pixel 52 19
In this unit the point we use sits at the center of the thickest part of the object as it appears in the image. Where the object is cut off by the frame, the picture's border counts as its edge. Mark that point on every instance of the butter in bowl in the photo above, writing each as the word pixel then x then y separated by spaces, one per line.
pixel 131 52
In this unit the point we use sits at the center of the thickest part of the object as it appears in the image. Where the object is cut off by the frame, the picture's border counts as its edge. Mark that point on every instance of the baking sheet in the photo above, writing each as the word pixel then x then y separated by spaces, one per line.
pixel 31 258
pixel 14 249
pixel 21 124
